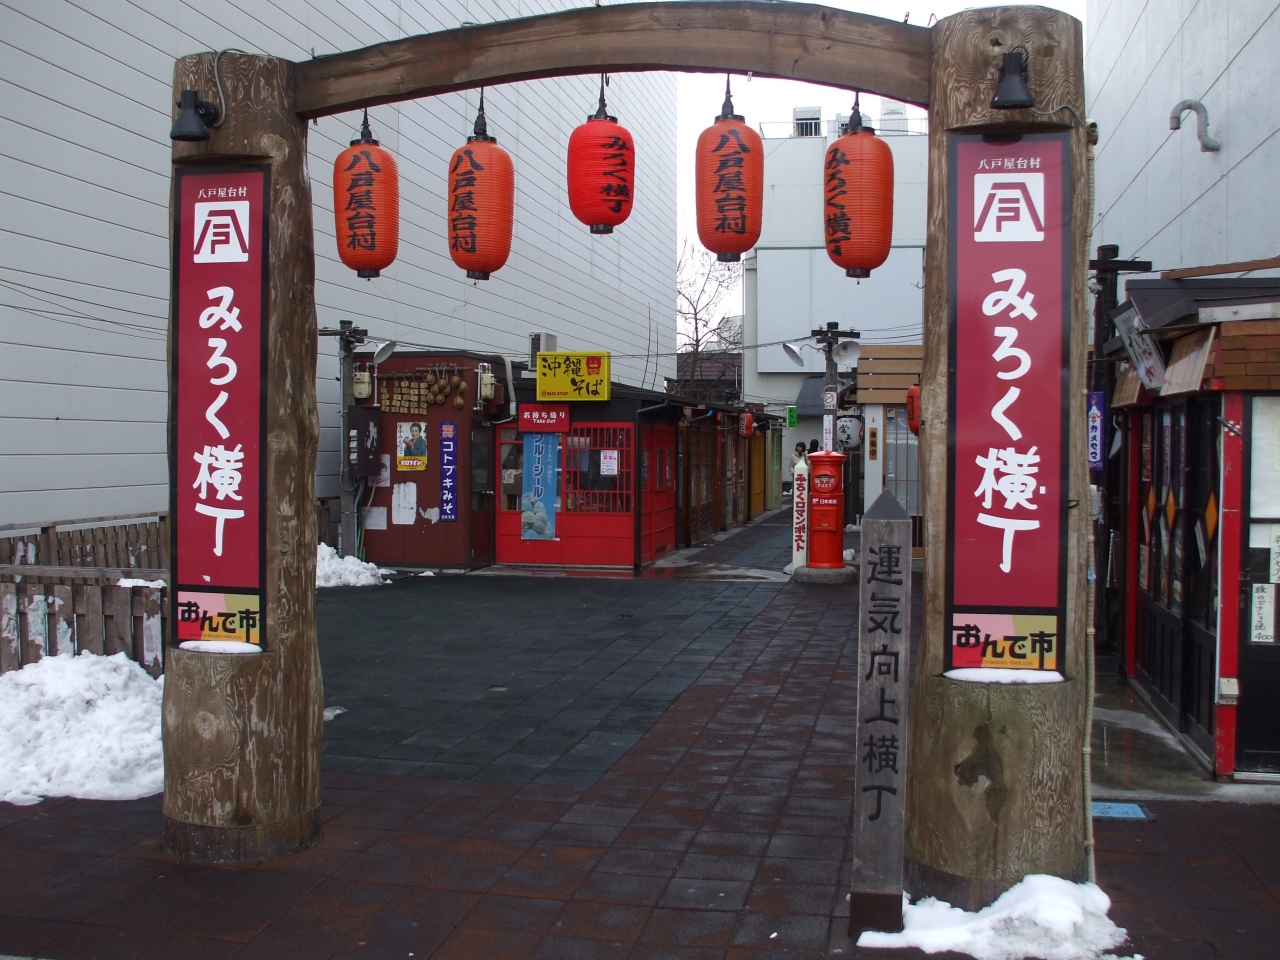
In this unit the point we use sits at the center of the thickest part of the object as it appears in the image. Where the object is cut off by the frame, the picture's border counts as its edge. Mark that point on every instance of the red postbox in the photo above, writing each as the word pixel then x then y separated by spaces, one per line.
pixel 826 510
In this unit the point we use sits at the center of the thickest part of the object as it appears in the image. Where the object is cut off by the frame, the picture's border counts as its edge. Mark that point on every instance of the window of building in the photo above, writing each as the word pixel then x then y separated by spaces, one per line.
pixel 598 470
pixel 809 128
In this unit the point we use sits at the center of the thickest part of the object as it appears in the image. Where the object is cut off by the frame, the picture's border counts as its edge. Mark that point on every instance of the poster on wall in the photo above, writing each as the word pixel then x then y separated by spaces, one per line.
pixel 1008 401
pixel 609 463
pixel 411 445
pixel 449 471
pixel 538 492
pixel 217 422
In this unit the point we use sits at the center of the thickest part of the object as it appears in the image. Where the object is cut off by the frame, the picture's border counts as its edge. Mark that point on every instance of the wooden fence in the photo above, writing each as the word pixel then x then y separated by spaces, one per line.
pixel 107 544
pixel 68 614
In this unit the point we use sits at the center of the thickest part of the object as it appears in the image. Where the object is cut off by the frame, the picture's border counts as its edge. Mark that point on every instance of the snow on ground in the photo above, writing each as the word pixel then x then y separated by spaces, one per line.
pixel 335 571
pixel 1044 917
pixel 86 726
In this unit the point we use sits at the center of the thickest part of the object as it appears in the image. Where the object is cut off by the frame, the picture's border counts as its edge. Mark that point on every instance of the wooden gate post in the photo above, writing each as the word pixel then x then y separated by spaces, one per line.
pixel 995 777
pixel 242 734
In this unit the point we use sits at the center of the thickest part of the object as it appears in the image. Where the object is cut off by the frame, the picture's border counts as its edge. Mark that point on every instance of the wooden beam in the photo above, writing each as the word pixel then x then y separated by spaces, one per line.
pixel 793 41
pixel 874 366
pixel 1217 269
pixel 903 351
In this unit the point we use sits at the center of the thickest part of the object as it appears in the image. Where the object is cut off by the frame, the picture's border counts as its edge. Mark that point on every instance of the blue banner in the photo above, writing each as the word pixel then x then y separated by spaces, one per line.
pixel 449 470
pixel 538 496
pixel 1097 429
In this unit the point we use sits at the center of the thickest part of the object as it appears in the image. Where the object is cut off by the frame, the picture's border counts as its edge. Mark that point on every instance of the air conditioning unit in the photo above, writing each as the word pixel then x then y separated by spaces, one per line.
pixel 540 343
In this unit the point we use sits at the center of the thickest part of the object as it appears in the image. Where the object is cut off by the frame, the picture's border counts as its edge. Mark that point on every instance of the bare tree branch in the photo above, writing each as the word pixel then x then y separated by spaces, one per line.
pixel 704 324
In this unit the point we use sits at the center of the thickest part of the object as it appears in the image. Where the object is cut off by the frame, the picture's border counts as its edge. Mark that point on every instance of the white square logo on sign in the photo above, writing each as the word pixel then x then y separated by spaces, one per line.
pixel 222 231
pixel 1008 207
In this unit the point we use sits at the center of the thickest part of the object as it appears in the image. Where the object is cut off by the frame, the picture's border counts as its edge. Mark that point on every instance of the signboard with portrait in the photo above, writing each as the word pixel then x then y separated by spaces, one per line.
pixel 573 376
pixel 217 419
pixel 411 445
pixel 1008 401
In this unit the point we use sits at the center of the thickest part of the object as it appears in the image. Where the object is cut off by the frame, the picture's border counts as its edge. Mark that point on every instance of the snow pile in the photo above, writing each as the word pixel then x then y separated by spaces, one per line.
pixel 86 726
pixel 335 571
pixel 1045 917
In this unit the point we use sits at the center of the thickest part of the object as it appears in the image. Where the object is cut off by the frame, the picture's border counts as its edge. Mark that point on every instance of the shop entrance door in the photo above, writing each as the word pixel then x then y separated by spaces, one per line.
pixel 1258 717
pixel 1177 564
pixel 481 494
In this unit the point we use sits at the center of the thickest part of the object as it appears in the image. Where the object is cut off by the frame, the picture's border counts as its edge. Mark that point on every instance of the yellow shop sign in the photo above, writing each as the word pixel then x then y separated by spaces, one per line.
pixel 573 376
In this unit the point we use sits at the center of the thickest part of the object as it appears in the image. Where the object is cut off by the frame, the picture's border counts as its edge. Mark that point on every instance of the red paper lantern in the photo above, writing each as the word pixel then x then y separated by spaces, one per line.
pixel 729 185
pixel 913 409
pixel 482 200
pixel 602 166
pixel 366 205
pixel 858 212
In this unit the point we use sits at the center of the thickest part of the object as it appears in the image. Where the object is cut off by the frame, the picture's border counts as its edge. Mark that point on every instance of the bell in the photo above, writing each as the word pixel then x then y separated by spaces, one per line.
pixel 194 118
pixel 1012 92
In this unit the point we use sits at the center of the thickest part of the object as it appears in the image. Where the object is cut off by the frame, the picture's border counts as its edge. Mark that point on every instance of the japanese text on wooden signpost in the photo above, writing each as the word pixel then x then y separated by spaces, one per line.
pixel 1009 409
pixel 884 638
pixel 217 421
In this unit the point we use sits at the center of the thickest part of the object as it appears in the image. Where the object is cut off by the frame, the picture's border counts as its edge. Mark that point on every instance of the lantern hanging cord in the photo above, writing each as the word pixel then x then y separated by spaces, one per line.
pixel 481 129
pixel 726 111
pixel 603 112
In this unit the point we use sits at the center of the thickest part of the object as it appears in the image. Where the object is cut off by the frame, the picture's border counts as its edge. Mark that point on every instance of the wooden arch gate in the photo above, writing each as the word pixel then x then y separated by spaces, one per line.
pixel 994 786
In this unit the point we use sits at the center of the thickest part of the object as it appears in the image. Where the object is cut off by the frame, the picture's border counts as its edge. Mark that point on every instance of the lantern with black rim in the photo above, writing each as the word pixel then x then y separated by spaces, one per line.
pixel 482 197
pixel 858 192
pixel 366 205
pixel 729 184
pixel 601 170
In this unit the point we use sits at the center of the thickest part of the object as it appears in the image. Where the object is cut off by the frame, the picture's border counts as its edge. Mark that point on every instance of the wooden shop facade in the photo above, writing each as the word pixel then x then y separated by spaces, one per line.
pixel 1197 410
pixel 472 469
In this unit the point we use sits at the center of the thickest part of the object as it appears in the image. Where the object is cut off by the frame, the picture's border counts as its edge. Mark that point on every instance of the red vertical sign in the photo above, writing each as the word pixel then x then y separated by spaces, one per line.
pixel 217 414
pixel 1009 401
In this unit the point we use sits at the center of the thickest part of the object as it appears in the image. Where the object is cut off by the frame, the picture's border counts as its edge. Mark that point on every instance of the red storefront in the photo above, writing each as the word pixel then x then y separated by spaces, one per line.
pixel 1198 553
pixel 608 481
pixel 432 504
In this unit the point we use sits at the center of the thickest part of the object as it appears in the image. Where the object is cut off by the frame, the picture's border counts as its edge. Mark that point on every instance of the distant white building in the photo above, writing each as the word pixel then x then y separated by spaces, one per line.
pixel 84 230
pixel 1159 196
pixel 791 286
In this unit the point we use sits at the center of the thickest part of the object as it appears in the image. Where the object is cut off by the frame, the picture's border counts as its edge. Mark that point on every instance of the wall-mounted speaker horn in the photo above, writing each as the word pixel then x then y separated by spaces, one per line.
pixel 847 352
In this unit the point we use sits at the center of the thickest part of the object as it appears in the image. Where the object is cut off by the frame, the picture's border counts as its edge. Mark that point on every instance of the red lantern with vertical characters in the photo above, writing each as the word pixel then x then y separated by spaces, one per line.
pixel 858 209
pixel 602 164
pixel 913 408
pixel 366 205
pixel 482 199
pixel 729 185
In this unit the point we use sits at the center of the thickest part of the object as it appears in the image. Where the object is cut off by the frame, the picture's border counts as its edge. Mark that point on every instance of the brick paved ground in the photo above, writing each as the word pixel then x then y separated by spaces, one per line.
pixel 721 823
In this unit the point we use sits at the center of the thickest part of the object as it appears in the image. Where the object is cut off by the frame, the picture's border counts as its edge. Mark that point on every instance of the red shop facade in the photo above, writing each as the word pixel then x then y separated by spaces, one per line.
pixel 1197 557
pixel 586 483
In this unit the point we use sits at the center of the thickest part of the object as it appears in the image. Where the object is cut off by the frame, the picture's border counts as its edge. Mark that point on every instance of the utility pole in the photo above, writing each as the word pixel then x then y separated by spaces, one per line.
pixel 829 337
pixel 1102 378
pixel 349 337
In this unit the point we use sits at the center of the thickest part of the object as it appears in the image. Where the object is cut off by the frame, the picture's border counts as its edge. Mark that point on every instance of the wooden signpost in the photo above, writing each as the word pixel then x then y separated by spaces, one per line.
pixel 884 652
